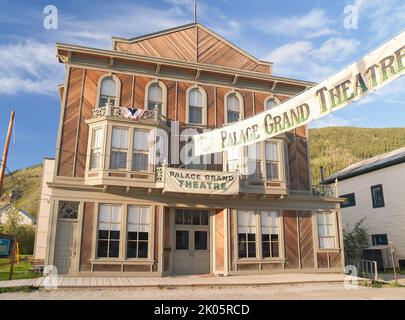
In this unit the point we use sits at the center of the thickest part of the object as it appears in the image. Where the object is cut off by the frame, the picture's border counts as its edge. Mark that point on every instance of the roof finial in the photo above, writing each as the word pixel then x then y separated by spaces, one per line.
pixel 195 11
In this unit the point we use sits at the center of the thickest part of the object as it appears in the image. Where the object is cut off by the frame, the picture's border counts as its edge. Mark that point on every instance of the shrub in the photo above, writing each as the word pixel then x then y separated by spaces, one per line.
pixel 356 240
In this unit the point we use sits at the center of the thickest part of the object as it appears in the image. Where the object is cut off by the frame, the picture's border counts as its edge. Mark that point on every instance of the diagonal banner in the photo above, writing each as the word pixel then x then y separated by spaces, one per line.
pixel 376 69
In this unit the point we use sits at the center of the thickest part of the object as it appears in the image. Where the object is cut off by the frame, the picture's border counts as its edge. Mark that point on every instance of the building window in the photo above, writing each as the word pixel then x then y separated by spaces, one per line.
pixel 272 161
pixel 350 200
pixel 246 234
pixel 270 234
pixel 138 232
pixel 155 97
pixel 119 148
pixel 379 239
pixel 326 230
pixel 108 91
pixel 109 226
pixel 96 147
pixel 271 103
pixel 140 155
pixel 233 159
pixel 191 217
pixel 377 196
pixel 195 106
pixel 233 108
pixel 254 161
pixel 68 210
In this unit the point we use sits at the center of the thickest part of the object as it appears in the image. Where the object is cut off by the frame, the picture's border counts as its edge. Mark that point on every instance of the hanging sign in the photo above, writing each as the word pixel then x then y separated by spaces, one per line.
pixel 370 73
pixel 199 181
pixel 6 244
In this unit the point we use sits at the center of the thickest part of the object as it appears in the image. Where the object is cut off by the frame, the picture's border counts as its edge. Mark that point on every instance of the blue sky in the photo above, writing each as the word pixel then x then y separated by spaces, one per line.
pixel 305 40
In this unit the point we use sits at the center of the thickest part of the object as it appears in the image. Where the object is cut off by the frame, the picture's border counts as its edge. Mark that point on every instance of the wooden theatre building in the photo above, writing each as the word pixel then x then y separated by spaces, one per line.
pixel 116 204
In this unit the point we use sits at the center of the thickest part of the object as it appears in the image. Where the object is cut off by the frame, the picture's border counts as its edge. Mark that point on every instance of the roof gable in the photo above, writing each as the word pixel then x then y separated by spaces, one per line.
pixel 192 43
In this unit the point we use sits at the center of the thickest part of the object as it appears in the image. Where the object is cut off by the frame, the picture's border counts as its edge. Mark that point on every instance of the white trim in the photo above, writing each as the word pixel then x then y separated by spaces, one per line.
pixel 164 95
pixel 204 104
pixel 117 89
pixel 241 105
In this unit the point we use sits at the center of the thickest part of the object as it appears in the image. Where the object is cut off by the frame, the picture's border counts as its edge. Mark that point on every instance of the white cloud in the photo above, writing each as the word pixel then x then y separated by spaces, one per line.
pixel 331 120
pixel 29 66
pixel 311 25
pixel 303 59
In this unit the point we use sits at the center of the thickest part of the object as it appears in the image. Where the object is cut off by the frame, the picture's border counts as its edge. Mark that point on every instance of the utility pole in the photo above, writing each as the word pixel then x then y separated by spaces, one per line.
pixel 5 153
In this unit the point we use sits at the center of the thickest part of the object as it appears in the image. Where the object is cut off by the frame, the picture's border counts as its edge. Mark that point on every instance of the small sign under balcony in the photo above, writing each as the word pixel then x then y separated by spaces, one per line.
pixel 199 181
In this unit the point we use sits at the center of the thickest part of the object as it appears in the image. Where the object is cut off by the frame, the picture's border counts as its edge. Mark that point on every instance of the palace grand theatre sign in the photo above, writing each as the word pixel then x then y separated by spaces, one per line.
pixel 199 181
pixel 373 71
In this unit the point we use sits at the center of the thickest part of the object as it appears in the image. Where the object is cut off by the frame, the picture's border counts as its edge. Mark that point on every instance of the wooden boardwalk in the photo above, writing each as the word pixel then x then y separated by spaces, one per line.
pixel 179 281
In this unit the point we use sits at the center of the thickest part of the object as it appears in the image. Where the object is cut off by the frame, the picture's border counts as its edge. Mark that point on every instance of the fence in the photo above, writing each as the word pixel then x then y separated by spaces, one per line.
pixel 365 268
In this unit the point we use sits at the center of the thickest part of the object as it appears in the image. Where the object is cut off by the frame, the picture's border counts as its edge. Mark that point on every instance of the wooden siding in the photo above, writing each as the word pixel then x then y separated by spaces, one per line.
pixel 219 240
pixel 214 51
pixel 70 122
pixel 87 236
pixel 167 248
pixel 306 239
pixel 140 86
pixel 178 45
pixel 247 103
pixel 171 99
pixel 210 105
pixel 298 160
pixel 291 240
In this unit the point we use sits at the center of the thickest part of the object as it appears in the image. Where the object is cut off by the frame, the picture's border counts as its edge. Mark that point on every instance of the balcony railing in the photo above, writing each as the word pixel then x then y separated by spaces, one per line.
pixel 324 190
pixel 119 112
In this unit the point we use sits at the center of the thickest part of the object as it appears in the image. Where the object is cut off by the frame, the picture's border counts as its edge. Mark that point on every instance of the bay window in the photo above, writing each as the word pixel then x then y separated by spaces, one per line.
pixel 270 234
pixel 254 162
pixel 138 232
pixel 233 159
pixel 272 161
pixel 96 147
pixel 140 154
pixel 109 226
pixel 119 148
pixel 326 230
pixel 246 234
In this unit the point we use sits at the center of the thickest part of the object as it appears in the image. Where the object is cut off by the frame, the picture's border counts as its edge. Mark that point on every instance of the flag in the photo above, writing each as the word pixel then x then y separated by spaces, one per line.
pixel 132 113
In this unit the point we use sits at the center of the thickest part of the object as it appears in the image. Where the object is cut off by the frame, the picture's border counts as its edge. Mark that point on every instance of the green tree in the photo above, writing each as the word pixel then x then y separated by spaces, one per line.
pixel 356 240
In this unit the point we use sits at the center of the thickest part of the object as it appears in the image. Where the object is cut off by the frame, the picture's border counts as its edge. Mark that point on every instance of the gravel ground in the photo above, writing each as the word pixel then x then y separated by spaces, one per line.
pixel 302 291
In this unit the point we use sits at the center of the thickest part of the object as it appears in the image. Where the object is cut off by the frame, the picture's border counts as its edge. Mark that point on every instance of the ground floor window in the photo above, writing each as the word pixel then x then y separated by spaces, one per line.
pixel 138 232
pixel 326 230
pixel 379 239
pixel 258 234
pixel 270 234
pixel 109 227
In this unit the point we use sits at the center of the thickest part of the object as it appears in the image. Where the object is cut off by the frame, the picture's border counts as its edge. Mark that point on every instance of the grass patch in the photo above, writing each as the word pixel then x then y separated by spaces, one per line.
pixel 21 270
pixel 18 289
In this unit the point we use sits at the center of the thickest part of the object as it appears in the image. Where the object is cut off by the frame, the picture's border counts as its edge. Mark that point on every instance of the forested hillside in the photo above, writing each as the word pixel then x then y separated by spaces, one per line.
pixel 335 148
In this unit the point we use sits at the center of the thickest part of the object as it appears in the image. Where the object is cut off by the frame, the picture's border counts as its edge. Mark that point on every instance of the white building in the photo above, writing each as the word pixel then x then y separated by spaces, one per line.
pixel 375 189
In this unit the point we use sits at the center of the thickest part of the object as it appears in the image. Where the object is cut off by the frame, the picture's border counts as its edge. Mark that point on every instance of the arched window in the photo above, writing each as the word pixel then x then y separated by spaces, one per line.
pixel 197 104
pixel 155 97
pixel 271 102
pixel 233 107
pixel 108 90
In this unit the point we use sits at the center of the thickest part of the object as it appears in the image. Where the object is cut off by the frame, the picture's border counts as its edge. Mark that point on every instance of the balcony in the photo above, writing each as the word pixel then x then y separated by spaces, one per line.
pixel 143 116
pixel 324 191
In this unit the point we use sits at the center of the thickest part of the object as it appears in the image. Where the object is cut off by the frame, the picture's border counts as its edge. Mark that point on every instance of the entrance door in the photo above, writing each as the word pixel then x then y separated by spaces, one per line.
pixel 191 242
pixel 65 247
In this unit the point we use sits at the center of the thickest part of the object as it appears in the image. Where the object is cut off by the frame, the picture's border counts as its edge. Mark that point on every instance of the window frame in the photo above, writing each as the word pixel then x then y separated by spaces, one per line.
pixel 258 242
pixel 204 103
pixel 276 100
pixel 373 199
pixel 96 246
pixel 335 236
pixel 241 106
pixel 348 196
pixel 123 236
pixel 150 236
pixel 123 150
pixel 164 96
pixel 374 236
pixel 117 99
pixel 101 147
pixel 139 151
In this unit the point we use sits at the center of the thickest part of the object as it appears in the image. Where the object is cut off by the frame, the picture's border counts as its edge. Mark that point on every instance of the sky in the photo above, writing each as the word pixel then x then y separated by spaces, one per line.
pixel 304 39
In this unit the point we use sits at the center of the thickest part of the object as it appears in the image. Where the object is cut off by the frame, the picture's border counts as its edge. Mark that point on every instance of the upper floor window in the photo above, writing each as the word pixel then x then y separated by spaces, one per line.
pixel 96 147
pixel 350 200
pixel 377 196
pixel 271 102
pixel 272 161
pixel 140 154
pixel 155 96
pixel 119 148
pixel 108 91
pixel 233 159
pixel 109 227
pixel 326 230
pixel 234 108
pixel 254 163
pixel 196 106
